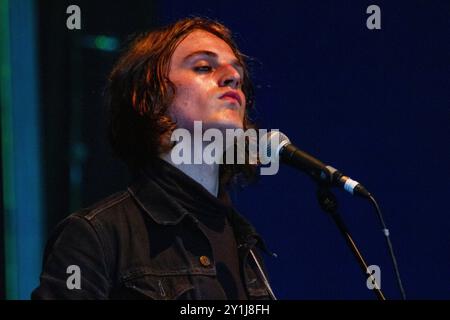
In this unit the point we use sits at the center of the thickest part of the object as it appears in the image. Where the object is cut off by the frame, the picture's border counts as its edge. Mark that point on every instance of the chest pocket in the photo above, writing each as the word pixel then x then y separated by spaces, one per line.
pixel 255 285
pixel 144 283
pixel 257 290
pixel 149 286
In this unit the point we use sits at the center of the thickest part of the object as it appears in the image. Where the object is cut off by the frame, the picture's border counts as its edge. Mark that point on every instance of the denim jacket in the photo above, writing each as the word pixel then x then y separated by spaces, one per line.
pixel 140 244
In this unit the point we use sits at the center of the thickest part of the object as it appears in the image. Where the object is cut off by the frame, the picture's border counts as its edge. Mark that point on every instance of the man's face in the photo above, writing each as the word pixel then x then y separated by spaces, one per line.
pixel 208 79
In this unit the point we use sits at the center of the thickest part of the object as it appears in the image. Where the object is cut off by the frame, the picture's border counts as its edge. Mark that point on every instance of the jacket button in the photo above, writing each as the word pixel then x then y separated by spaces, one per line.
pixel 204 260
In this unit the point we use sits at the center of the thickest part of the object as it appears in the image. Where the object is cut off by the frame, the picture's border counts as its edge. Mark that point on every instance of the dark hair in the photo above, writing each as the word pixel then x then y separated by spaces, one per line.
pixel 139 93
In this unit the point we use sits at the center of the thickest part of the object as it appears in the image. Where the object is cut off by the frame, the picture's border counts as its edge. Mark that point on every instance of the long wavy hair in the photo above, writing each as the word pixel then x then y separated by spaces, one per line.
pixel 139 93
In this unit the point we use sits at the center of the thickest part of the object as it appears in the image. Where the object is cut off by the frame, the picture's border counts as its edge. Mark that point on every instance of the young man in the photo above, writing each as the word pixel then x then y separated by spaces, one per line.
pixel 173 233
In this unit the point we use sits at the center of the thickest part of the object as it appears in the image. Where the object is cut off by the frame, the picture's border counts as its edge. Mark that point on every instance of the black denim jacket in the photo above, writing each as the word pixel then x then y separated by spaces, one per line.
pixel 140 244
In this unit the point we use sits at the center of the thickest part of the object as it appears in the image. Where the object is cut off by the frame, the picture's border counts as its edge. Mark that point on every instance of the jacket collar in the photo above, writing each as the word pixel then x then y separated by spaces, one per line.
pixel 156 202
pixel 165 210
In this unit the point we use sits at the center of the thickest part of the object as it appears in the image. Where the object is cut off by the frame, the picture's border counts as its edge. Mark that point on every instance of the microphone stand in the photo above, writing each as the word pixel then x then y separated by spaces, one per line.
pixel 328 203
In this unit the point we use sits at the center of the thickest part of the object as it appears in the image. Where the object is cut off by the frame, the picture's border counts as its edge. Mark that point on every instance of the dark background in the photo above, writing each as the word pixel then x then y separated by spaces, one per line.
pixel 373 103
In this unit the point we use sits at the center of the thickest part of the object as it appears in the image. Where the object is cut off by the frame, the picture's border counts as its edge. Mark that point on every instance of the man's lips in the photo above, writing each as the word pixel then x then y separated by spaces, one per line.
pixel 232 95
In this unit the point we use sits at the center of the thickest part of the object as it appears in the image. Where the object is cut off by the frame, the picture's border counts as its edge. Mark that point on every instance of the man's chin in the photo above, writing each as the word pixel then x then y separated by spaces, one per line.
pixel 221 125
pixel 224 125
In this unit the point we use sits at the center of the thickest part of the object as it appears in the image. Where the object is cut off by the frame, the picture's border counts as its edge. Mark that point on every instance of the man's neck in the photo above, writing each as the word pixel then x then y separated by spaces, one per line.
pixel 205 174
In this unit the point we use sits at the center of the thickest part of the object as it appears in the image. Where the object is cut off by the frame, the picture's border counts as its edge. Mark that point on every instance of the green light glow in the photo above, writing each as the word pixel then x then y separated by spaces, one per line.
pixel 106 43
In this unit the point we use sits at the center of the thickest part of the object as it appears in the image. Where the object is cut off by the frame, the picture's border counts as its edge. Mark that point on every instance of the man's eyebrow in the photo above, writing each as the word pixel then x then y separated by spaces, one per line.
pixel 211 54
pixel 200 52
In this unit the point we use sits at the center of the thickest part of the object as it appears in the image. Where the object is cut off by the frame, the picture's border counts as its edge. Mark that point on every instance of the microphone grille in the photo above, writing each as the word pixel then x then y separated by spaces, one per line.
pixel 272 142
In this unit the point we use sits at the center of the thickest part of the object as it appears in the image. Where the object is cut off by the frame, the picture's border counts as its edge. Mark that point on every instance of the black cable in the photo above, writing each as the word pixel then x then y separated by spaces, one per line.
pixel 391 250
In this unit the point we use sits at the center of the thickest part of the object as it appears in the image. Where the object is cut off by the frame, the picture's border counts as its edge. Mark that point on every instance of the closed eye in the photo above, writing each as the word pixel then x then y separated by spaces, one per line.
pixel 203 69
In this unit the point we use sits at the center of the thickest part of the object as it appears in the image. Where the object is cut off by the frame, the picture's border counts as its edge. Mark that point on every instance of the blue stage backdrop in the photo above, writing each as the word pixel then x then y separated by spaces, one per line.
pixel 373 103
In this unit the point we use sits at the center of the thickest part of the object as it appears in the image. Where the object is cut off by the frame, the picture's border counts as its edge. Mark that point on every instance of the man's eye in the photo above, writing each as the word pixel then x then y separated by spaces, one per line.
pixel 203 69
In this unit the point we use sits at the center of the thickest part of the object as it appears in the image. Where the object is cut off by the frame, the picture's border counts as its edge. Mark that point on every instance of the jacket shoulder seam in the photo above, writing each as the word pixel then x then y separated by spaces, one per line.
pixel 114 201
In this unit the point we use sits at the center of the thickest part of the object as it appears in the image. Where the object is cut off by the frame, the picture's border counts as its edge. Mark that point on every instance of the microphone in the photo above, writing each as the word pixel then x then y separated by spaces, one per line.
pixel 280 147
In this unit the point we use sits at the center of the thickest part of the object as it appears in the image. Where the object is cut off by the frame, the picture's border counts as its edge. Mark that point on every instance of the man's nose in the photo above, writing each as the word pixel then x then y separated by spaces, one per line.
pixel 230 78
